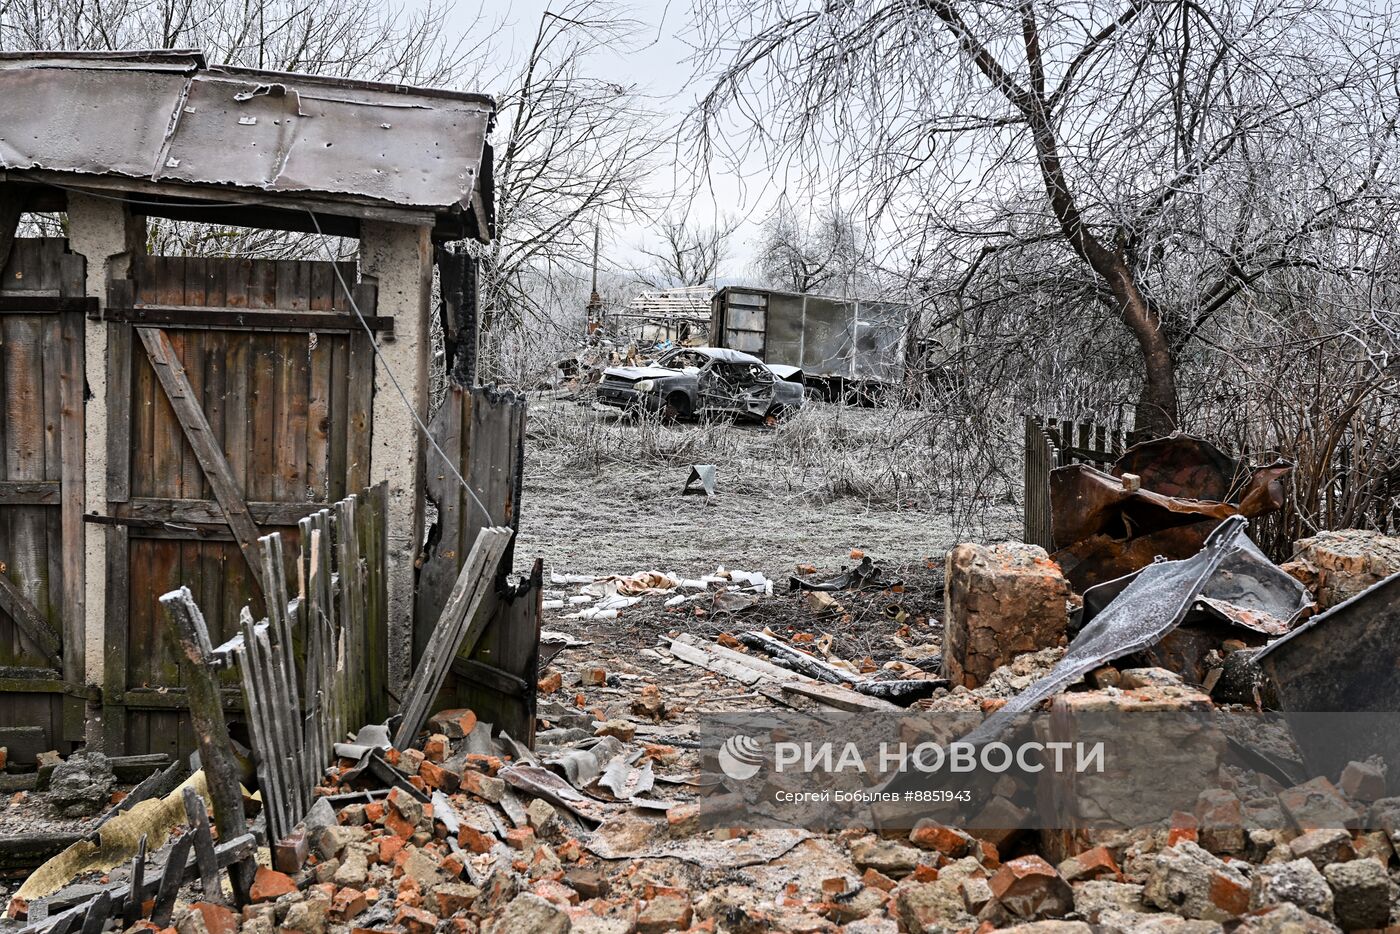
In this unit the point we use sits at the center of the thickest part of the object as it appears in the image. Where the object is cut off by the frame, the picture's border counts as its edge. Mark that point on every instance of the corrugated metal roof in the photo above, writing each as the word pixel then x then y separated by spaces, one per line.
pixel 165 116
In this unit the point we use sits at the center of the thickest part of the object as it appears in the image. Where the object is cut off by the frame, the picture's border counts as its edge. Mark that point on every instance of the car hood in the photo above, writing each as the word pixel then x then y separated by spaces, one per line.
pixel 783 371
pixel 639 372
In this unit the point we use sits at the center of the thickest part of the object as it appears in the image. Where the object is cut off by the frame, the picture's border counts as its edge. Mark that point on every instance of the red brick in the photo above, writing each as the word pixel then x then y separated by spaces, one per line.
pixel 550 683
pixel 521 838
pixel 269 884
pixel 1096 863
pixel 395 823
pixel 454 724
pixel 1183 827
pixel 878 880
pixel 1030 888
pixel 664 913
pixel 389 848
pixel 470 838
pixel 929 835
pixel 1003 600
pixel 416 920
pixel 435 749
pixel 348 903
pixel 1228 894
pixel 217 918
pixel 435 776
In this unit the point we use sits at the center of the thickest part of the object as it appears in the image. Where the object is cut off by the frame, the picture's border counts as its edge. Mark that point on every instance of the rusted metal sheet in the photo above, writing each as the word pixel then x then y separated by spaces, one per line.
pixel 167 117
pixel 1162 498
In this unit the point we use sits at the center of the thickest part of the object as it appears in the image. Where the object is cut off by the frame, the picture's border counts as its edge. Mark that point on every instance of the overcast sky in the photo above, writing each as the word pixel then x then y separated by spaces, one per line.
pixel 660 69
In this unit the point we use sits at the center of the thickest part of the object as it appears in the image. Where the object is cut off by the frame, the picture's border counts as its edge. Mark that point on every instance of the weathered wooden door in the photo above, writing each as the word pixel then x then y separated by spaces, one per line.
pixel 241 402
pixel 41 496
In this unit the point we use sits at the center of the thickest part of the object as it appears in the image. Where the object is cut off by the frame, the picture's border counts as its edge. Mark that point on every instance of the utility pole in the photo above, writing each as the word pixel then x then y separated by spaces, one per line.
pixel 594 317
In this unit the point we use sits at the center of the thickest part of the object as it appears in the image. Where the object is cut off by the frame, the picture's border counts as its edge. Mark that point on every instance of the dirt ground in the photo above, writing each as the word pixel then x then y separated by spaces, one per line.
pixel 603 493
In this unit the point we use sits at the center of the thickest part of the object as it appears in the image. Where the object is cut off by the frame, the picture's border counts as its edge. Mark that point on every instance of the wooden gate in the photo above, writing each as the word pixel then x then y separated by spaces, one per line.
pixel 240 401
pixel 41 497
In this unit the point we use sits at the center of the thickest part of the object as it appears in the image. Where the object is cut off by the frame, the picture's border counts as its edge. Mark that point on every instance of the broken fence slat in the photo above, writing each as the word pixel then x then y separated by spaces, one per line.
pixel 170 881
pixel 132 912
pixel 205 862
pixel 236 850
pixel 215 749
pixel 727 656
pixel 99 910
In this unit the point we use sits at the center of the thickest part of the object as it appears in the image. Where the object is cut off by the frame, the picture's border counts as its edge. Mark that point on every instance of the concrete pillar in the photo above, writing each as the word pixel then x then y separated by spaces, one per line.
pixel 399 258
pixel 106 234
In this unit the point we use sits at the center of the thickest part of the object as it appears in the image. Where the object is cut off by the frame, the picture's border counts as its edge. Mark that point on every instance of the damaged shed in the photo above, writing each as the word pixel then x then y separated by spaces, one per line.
pixel 164 413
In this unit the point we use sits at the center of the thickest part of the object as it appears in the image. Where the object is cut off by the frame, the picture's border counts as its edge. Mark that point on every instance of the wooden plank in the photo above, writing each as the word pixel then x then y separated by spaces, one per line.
pixel 204 860
pixel 170 880
pixel 177 389
pixel 210 512
pixel 840 698
pixel 30 493
pixel 133 910
pixel 359 417
pixel 702 657
pixel 30 622
pixel 72 385
pixel 11 207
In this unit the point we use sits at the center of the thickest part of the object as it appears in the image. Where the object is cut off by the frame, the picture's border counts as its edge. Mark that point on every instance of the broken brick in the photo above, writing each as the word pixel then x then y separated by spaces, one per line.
pixel 1030 888
pixel 1001 601
pixel 348 903
pixel 454 724
pixel 217 918
pixel 666 912
pixel 269 884
pixel 931 835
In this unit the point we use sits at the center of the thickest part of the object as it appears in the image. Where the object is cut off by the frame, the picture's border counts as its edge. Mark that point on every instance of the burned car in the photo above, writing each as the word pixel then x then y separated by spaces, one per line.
pixel 689 382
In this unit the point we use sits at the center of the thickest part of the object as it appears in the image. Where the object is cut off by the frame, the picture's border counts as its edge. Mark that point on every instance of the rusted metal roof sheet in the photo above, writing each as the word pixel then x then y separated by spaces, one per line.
pixel 165 116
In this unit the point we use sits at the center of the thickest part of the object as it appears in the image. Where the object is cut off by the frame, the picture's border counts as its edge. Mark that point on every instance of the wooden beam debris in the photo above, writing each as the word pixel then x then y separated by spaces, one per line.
pixel 457 630
pixel 221 772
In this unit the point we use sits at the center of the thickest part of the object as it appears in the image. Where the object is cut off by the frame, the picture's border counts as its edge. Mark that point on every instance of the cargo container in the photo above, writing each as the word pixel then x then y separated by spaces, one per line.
pixel 842 345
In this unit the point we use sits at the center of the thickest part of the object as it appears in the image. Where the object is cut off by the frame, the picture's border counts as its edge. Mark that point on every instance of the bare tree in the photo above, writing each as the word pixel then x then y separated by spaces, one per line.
pixel 688 254
pixel 808 258
pixel 1161 159
pixel 364 39
pixel 574 150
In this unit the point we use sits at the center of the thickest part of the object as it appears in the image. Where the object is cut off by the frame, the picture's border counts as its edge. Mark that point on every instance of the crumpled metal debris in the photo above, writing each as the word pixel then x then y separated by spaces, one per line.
pixel 1248 598
pixel 1150 606
pixel 863 576
pixel 1344 660
pixel 1162 498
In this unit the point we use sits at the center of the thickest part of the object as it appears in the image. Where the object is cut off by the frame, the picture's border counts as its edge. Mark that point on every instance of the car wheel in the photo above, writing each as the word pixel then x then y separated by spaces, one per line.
pixel 677 408
pixel 778 413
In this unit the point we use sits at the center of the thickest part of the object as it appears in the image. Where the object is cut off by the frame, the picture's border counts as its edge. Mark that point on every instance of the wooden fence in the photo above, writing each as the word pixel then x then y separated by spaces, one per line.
pixel 1052 443
pixel 42 309
pixel 313 670
pixel 482 432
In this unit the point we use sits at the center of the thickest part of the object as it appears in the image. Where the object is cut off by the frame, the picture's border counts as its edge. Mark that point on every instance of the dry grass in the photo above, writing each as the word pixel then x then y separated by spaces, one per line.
pixel 603 490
